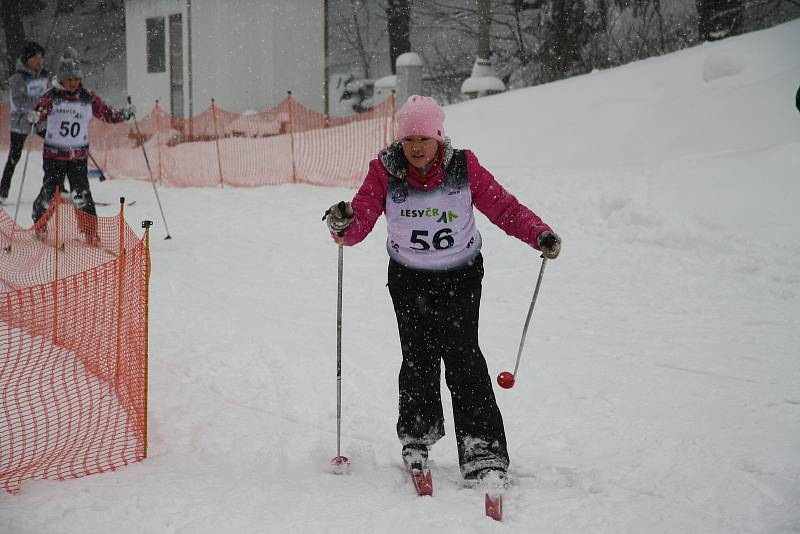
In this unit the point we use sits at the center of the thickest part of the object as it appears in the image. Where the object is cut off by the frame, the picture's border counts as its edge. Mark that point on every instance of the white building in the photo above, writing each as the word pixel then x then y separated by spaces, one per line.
pixel 246 54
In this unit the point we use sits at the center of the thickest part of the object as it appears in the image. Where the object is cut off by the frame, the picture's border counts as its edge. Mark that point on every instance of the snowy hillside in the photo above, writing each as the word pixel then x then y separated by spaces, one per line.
pixel 659 391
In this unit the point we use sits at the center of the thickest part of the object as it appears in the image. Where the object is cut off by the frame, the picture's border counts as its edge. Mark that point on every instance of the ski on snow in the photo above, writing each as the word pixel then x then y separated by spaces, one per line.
pixel 423 483
pixel 495 483
pixel 495 488
pixel 494 507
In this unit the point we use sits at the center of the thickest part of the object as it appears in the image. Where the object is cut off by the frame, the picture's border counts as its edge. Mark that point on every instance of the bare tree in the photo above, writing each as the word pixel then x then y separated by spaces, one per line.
pixel 11 14
pixel 534 41
pixel 358 37
pixel 513 24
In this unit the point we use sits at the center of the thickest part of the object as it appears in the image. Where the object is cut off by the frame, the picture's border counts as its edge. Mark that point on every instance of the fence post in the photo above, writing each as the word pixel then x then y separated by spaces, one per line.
pixel 157 112
pixel 291 135
pixel 57 198
pixel 146 225
pixel 216 141
pixel 120 286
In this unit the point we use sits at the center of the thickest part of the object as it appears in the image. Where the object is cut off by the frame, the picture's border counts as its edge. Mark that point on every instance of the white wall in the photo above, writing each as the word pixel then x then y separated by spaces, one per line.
pixel 145 88
pixel 245 53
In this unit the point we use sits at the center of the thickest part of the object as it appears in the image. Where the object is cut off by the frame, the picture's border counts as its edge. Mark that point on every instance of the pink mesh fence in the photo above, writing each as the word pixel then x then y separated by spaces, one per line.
pixel 289 143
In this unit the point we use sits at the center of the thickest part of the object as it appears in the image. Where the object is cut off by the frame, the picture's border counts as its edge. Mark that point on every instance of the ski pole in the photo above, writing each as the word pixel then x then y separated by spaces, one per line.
pixel 340 463
pixel 102 177
pixel 24 171
pixel 149 171
pixel 505 379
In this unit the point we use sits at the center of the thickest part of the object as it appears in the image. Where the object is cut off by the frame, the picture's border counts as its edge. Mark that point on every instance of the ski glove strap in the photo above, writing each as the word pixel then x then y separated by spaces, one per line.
pixel 549 244
pixel 339 216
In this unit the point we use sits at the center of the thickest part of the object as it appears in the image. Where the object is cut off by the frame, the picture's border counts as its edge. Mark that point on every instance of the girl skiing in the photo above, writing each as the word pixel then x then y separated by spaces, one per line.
pixel 68 107
pixel 428 189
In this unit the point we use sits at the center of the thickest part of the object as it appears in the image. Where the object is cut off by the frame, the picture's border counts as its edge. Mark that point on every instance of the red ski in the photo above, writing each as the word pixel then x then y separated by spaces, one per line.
pixel 422 481
pixel 495 483
pixel 494 507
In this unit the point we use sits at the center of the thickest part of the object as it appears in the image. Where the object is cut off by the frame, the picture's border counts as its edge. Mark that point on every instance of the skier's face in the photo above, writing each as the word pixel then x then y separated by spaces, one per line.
pixel 35 62
pixel 71 84
pixel 420 151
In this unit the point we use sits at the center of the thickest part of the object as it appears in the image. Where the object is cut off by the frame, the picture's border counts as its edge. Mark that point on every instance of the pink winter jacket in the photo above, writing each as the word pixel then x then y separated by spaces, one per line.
pixel 499 206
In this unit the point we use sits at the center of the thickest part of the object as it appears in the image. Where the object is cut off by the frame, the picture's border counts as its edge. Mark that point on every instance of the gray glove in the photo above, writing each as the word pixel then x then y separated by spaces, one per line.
pixel 33 117
pixel 339 216
pixel 549 244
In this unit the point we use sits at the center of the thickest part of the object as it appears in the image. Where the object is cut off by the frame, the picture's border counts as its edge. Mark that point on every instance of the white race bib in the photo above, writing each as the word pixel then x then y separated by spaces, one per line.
pixel 68 124
pixel 432 230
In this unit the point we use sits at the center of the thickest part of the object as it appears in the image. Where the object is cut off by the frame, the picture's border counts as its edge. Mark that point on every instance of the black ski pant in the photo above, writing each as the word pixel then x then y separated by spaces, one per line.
pixel 14 153
pixel 75 171
pixel 437 317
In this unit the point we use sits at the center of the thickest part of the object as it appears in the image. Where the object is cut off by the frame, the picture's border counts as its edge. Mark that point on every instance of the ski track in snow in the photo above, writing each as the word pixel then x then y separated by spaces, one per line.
pixel 658 391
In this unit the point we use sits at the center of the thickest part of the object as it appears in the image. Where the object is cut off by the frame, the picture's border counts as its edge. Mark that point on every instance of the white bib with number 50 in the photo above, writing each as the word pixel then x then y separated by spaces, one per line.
pixel 68 124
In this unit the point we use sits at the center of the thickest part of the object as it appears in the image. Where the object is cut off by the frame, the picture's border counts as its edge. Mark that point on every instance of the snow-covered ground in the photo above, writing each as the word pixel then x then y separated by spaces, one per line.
pixel 659 391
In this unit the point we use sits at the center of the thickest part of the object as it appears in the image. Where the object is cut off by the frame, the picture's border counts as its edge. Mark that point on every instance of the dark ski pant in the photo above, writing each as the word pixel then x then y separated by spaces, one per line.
pixel 14 153
pixel 75 171
pixel 437 317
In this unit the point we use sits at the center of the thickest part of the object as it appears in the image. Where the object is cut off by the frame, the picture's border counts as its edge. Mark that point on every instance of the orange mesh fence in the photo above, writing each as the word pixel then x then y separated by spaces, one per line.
pixel 73 346
pixel 286 144
pixel 336 151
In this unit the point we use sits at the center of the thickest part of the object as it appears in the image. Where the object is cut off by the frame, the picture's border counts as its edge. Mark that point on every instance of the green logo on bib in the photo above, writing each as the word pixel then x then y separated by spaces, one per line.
pixel 447 217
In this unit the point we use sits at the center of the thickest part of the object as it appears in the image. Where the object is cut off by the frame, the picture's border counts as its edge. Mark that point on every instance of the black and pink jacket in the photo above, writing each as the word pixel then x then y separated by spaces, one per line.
pixel 100 110
pixel 388 177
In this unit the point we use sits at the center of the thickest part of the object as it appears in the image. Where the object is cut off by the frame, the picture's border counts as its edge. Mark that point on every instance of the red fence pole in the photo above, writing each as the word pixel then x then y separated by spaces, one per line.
pixel 120 287
pixel 291 135
pixel 216 141
pixel 146 225
pixel 55 267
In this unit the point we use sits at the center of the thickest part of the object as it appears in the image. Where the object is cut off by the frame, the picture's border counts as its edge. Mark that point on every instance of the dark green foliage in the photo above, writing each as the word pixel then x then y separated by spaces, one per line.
pixel 564 33
pixel 11 16
pixel 398 13
pixel 718 19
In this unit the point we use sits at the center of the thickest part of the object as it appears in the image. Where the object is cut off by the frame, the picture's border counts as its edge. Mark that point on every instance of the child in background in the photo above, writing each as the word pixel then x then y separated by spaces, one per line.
pixel 27 85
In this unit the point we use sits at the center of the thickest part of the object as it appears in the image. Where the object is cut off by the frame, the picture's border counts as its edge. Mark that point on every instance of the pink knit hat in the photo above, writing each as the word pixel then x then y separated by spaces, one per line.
pixel 421 116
